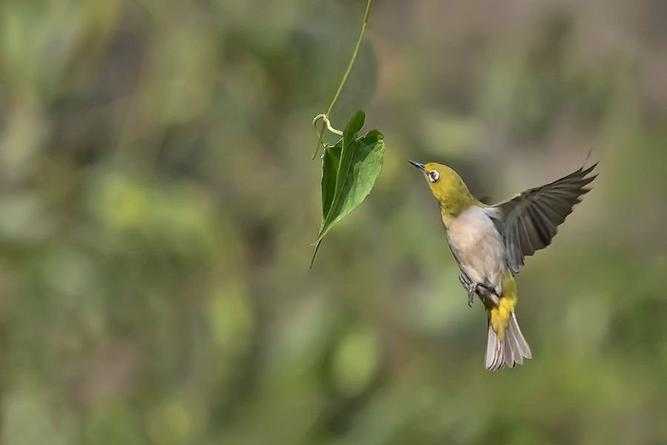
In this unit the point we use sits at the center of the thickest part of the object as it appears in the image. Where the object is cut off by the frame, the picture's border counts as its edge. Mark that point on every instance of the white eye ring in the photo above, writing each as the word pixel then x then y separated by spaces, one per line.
pixel 433 176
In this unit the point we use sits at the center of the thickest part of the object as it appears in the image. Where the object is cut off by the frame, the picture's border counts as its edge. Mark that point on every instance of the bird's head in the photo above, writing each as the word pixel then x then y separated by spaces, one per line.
pixel 446 186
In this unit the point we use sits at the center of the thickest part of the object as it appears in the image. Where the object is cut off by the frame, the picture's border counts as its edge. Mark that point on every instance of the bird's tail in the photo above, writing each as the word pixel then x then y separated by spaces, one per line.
pixel 505 344
pixel 508 349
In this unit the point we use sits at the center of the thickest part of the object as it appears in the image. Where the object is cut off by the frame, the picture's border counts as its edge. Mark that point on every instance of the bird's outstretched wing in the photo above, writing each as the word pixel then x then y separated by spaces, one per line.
pixel 530 220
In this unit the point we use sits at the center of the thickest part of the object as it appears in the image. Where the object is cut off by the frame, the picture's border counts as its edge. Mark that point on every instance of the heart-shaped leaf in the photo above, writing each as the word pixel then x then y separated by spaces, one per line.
pixel 349 171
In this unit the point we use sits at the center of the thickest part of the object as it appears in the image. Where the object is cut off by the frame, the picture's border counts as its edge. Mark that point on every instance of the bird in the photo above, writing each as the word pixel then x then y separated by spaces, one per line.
pixel 490 242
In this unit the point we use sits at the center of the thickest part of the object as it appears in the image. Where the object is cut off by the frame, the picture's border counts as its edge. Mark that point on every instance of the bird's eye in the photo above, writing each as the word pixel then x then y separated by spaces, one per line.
pixel 433 176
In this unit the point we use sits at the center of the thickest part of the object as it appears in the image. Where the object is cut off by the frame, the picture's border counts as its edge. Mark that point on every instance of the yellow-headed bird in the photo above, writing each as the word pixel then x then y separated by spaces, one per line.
pixel 489 243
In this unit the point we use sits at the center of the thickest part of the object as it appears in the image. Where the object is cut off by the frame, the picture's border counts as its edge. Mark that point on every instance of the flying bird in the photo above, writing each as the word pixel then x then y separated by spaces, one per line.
pixel 490 243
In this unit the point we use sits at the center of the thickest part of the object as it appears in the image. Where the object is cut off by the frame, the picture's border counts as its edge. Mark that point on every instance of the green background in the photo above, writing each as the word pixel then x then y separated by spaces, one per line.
pixel 158 206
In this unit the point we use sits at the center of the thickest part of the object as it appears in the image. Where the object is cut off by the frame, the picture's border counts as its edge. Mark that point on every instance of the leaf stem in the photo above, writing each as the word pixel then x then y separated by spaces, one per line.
pixel 343 80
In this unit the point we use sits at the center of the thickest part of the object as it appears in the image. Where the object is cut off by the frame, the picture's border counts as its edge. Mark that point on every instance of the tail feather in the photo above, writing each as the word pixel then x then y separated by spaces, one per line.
pixel 508 351
pixel 523 347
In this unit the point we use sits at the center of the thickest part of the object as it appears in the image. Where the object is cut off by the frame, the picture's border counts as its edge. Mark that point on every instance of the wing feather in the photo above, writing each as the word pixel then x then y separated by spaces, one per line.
pixel 529 221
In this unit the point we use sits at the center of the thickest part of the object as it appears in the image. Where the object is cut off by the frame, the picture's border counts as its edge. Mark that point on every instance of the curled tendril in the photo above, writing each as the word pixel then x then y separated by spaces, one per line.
pixel 323 117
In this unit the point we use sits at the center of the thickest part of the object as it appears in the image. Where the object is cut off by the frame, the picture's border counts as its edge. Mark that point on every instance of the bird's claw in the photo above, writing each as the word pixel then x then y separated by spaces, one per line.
pixel 472 291
pixel 470 287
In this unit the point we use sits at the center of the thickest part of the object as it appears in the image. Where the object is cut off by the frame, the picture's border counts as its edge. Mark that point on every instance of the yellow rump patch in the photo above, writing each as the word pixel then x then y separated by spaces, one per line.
pixel 500 315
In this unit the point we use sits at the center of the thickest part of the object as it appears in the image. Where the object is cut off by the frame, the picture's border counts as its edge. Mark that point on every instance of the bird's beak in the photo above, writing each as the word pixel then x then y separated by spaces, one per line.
pixel 418 165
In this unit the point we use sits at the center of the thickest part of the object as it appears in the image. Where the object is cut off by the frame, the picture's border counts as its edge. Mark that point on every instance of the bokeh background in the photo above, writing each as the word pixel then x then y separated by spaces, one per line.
pixel 158 204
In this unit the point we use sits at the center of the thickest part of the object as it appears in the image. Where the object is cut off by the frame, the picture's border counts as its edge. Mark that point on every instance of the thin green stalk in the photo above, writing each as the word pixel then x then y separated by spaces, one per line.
pixel 343 80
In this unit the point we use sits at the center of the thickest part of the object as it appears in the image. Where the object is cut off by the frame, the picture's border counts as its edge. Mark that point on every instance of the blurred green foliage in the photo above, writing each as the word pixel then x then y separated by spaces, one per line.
pixel 158 205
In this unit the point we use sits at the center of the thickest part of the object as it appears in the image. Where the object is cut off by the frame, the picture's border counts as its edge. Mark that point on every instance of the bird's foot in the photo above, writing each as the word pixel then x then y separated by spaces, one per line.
pixel 488 294
pixel 470 287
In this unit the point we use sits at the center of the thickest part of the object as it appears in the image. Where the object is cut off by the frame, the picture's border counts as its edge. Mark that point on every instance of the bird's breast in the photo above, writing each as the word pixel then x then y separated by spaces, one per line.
pixel 477 245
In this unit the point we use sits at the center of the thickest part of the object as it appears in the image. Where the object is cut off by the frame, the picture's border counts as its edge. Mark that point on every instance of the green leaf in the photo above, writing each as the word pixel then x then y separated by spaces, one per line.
pixel 349 171
pixel 330 163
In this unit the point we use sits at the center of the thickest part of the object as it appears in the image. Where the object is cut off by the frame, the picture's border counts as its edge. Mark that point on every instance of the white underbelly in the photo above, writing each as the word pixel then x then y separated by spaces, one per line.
pixel 478 246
